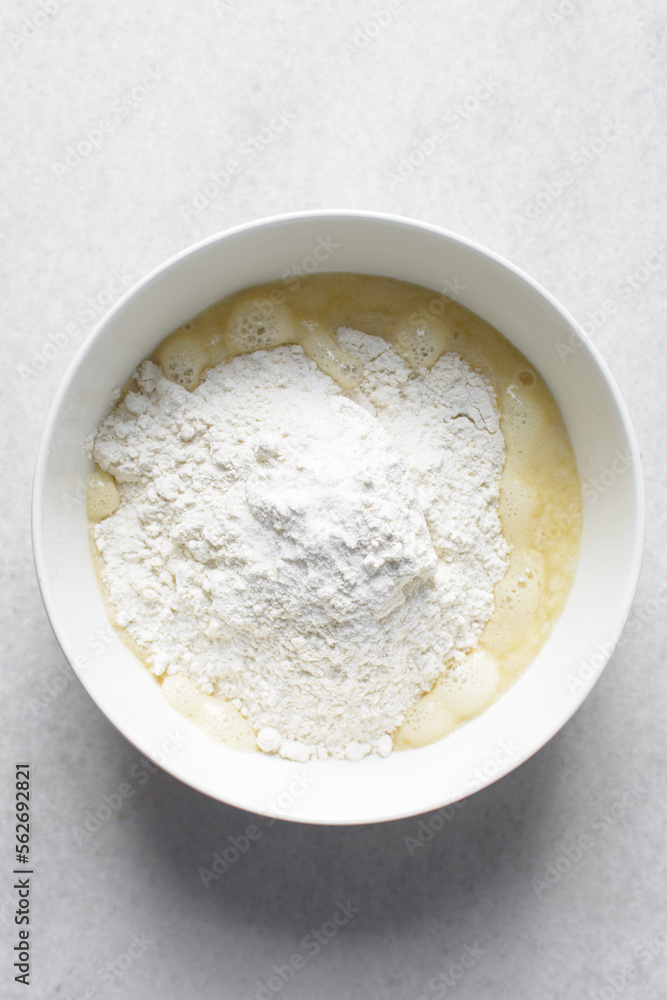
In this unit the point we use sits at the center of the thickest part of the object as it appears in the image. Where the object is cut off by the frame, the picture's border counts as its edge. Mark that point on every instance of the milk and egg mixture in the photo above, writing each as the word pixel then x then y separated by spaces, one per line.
pixel 324 514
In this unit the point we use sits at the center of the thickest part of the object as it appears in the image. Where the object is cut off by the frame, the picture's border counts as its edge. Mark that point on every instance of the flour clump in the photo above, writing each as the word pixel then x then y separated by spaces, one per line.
pixel 315 557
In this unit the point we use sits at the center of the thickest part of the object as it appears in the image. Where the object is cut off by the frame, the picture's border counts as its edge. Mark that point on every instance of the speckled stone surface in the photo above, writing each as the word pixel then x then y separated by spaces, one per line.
pixel 131 131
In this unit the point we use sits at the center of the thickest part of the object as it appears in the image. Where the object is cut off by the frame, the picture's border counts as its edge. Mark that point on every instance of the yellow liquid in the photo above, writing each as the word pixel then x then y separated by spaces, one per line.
pixel 539 478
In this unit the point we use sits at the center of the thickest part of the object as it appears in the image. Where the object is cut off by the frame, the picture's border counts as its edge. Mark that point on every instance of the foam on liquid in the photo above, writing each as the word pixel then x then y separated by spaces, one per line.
pixel 539 478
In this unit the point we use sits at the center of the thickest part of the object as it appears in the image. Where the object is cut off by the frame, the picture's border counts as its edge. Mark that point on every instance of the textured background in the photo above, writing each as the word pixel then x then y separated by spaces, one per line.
pixel 120 120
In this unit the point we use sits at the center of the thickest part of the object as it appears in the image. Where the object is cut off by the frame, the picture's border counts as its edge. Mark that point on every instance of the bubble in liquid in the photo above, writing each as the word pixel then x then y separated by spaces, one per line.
pixel 213 716
pixel 182 694
pixel 222 722
pixel 468 687
pixel 518 598
pixel 321 348
pixel 422 339
pixel 102 496
pixel 526 378
pixel 524 420
pixel 427 721
pixel 520 502
pixel 183 357
pixel 259 323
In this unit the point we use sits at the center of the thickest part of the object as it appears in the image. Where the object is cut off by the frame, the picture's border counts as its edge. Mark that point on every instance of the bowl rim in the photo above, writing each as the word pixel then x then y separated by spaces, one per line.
pixel 628 584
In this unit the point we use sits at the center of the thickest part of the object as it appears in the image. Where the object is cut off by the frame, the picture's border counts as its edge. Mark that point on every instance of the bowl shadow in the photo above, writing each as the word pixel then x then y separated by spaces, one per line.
pixel 251 870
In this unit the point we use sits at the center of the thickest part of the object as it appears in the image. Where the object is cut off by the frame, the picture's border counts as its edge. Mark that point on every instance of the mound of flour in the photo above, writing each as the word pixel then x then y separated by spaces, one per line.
pixel 312 556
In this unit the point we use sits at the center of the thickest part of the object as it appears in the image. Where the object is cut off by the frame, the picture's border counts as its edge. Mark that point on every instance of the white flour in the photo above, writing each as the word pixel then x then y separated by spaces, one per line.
pixel 313 558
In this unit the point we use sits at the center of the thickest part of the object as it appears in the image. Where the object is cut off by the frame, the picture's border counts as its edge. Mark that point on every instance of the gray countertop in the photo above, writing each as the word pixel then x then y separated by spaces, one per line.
pixel 134 130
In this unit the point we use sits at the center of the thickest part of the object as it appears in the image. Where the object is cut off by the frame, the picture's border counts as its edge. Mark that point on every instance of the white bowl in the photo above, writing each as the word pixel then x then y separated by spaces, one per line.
pixel 540 701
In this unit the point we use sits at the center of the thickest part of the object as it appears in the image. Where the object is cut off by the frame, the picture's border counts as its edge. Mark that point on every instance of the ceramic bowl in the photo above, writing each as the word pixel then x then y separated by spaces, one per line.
pixel 549 691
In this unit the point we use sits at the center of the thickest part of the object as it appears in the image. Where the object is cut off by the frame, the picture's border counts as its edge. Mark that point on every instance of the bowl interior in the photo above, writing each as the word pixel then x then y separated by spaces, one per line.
pixel 540 701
